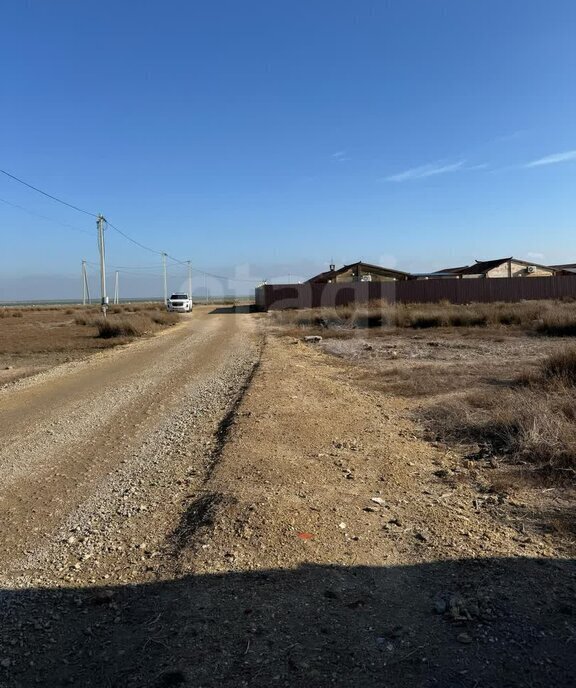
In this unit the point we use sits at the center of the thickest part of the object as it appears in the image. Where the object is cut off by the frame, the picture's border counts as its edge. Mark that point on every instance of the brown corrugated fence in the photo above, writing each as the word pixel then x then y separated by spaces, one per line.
pixel 282 296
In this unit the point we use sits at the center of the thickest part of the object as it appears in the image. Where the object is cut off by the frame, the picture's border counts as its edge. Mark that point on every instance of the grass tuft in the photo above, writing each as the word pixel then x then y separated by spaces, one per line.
pixel 121 327
pixel 532 425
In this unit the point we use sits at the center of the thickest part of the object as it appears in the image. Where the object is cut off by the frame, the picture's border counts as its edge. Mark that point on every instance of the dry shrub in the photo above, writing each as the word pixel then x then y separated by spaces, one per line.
pixel 17 314
pixel 533 425
pixel 558 324
pixel 127 326
pixel 86 320
pixel 467 317
pixel 561 368
pixel 164 318
pixel 423 319
pixel 122 327
pixel 546 317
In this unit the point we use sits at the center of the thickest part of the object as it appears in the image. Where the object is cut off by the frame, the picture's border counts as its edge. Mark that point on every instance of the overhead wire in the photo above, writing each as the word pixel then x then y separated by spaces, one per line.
pixel 134 241
pixel 44 193
pixel 45 217
pixel 124 234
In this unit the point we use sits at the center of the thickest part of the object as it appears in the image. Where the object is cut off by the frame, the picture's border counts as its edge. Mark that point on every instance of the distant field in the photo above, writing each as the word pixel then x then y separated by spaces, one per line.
pixel 34 338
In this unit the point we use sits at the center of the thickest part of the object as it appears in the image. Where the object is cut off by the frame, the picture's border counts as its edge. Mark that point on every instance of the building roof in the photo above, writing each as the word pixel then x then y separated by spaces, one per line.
pixel 448 271
pixel 366 267
pixel 567 266
pixel 481 267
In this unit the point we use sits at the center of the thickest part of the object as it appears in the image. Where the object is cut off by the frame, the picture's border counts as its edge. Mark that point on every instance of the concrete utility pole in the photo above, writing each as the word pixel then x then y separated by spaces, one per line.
pixel 85 287
pixel 116 294
pixel 165 279
pixel 189 280
pixel 104 298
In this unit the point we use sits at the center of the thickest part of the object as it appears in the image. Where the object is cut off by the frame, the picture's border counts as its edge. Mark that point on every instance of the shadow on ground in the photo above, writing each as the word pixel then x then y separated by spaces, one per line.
pixel 470 623
pixel 231 310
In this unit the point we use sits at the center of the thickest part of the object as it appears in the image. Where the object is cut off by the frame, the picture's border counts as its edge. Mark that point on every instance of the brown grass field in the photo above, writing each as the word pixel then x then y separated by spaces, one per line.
pixel 556 318
pixel 35 338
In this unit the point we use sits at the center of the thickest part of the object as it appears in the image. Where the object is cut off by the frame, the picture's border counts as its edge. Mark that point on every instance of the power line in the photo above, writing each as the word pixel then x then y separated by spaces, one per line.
pixel 45 217
pixel 126 236
pixel 128 267
pixel 44 193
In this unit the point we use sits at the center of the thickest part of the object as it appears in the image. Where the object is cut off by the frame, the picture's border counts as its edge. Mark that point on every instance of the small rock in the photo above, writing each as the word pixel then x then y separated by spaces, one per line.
pixel 464 638
pixel 313 339
pixel 378 500
pixel 5 663
pixel 342 526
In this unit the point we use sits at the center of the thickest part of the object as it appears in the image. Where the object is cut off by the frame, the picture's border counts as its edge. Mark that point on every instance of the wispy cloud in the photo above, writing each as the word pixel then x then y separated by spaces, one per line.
pixel 340 156
pixel 504 138
pixel 430 170
pixel 553 159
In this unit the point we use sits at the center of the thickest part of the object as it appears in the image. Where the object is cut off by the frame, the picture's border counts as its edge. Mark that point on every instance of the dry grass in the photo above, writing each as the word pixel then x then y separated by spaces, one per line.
pixel 128 324
pixel 164 318
pixel 558 324
pixel 123 327
pixel 532 424
pixel 39 338
pixel 560 369
pixel 552 318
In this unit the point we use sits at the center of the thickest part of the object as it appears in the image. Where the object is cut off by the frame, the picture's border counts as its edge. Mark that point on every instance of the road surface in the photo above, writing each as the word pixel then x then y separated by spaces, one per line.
pixel 82 441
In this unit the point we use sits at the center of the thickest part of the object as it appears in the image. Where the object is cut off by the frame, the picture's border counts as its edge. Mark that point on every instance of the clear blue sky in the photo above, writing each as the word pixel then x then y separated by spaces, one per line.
pixel 269 137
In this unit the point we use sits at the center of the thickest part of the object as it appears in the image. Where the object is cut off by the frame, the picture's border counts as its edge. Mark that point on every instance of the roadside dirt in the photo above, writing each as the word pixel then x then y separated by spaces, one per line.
pixel 302 533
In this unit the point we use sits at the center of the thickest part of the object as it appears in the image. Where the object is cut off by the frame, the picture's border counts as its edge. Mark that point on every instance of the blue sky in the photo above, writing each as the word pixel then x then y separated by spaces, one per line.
pixel 265 138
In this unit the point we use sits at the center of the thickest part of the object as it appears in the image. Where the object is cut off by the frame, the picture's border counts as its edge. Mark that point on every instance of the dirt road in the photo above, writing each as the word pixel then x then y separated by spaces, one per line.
pixel 81 442
pixel 210 509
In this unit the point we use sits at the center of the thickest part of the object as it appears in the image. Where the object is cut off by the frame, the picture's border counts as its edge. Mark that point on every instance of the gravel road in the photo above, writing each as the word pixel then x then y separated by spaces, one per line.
pixel 97 456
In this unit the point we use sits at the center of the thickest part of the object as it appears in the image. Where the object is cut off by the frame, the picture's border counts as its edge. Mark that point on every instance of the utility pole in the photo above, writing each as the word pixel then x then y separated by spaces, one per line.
pixel 165 279
pixel 103 297
pixel 189 280
pixel 205 289
pixel 116 294
pixel 85 288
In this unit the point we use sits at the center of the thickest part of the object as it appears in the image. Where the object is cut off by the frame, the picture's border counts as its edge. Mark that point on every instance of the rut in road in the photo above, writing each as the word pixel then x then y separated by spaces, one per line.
pixel 98 457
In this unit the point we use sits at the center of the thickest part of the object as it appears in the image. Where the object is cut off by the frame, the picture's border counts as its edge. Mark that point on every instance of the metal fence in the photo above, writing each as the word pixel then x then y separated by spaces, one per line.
pixel 462 291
